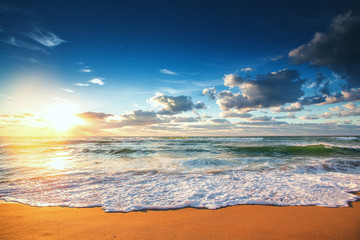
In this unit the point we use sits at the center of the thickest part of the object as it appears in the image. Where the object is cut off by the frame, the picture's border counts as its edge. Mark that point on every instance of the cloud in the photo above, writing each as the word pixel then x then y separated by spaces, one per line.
pixel 206 116
pixel 313 100
pixel 185 119
pixel 309 117
pixel 86 70
pixel 168 72
pixel 336 109
pixel 200 105
pixel 22 115
pixel 138 118
pixel 344 113
pixel 81 84
pixel 210 91
pixel 235 115
pixel 18 43
pixel 94 115
pixel 109 121
pixel 261 118
pixel 263 123
pixel 350 106
pixel 232 80
pixel 337 49
pixel 173 105
pixel 321 84
pixel 270 90
pixel 45 38
pixel 290 116
pixel 99 81
pixel 247 69
pixel 220 120
pixel 278 57
pixel 67 90
pixel 344 96
pixel 294 107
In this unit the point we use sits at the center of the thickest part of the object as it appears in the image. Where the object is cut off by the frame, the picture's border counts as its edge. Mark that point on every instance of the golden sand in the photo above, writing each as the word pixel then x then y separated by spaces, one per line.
pixel 237 222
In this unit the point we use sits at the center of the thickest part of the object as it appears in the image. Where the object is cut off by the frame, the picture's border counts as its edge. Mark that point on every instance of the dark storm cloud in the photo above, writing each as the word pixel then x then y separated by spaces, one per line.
pixel 337 49
pixel 270 90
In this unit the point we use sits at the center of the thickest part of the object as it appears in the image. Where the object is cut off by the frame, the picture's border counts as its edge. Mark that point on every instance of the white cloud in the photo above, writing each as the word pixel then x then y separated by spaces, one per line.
pixel 45 38
pixel 247 69
pixel 18 43
pixel 294 107
pixel 309 117
pixel 236 115
pixel 261 118
pixel 278 57
pixel 344 113
pixel 350 106
pixel 97 81
pixel 335 109
pixel 82 84
pixel 67 90
pixel 85 70
pixel 232 80
pixel 168 72
pixel 210 91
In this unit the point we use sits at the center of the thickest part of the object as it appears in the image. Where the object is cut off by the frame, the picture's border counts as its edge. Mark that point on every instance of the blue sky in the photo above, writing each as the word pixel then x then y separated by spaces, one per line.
pixel 180 67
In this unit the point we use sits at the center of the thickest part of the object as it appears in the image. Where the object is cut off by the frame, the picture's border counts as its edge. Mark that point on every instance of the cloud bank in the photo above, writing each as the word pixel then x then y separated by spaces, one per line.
pixel 337 49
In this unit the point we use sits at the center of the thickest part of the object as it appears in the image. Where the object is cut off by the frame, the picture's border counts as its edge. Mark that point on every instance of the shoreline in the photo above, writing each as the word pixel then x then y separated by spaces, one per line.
pixel 22 221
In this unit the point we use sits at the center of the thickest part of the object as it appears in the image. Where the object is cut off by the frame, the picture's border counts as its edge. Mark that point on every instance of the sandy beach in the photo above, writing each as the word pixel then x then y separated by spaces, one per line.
pixel 20 221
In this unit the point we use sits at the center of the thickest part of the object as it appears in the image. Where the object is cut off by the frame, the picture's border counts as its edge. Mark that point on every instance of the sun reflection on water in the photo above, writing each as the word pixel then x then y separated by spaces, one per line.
pixel 60 161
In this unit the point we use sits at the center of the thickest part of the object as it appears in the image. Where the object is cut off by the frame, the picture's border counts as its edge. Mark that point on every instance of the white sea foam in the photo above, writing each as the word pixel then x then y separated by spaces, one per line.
pixel 131 191
pixel 347 138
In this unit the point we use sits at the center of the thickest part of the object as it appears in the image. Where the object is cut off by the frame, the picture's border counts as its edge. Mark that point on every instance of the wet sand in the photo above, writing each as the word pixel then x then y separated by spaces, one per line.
pixel 20 221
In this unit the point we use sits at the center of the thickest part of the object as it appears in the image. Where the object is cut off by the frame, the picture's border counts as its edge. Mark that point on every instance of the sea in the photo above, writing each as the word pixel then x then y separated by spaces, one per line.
pixel 124 174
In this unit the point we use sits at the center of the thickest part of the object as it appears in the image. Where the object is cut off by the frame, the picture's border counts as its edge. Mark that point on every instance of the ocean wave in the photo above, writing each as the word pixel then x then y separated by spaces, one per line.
pixel 110 151
pixel 339 165
pixel 209 139
pixel 206 163
pixel 286 150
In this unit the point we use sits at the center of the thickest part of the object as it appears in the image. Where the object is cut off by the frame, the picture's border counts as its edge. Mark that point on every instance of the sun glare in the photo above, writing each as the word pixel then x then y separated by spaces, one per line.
pixel 62 118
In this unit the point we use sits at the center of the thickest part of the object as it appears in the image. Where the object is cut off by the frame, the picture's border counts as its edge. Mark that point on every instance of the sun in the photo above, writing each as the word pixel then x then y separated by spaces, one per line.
pixel 62 118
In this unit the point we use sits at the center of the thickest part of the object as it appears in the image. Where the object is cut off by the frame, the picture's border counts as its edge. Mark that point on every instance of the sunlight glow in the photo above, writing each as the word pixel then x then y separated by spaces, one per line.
pixel 62 118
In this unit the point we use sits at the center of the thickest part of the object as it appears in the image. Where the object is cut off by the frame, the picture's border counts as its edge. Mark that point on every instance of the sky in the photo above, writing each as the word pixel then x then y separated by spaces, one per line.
pixel 179 68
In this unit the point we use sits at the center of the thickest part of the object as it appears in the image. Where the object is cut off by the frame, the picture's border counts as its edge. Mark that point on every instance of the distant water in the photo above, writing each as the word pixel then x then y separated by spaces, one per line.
pixel 127 174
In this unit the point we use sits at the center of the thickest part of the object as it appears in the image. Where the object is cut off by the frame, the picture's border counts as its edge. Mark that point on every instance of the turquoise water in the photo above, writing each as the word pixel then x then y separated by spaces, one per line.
pixel 126 174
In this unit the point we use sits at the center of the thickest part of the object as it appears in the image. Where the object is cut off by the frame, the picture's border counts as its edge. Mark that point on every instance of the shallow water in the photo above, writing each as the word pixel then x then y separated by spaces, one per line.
pixel 126 174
